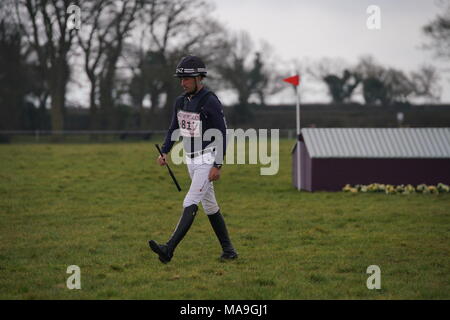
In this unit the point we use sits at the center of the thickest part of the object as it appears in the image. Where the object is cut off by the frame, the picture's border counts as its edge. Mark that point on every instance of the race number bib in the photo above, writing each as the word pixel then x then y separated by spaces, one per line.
pixel 189 123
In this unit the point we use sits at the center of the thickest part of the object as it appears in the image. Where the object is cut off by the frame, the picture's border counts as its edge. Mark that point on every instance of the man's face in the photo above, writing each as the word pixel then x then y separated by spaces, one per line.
pixel 189 84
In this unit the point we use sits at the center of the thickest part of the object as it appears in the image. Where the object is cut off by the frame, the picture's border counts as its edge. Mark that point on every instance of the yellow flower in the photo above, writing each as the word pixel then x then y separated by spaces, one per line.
pixel 346 188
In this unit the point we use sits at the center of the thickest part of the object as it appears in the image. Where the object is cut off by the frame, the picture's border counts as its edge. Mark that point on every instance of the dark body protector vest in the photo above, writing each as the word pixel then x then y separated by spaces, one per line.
pixel 193 121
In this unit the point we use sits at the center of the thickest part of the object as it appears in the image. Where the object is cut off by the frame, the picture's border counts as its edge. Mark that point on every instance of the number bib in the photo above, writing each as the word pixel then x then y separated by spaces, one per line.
pixel 189 123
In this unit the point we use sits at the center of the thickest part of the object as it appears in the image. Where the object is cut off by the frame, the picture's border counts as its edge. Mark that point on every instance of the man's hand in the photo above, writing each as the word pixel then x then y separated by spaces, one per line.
pixel 214 174
pixel 162 160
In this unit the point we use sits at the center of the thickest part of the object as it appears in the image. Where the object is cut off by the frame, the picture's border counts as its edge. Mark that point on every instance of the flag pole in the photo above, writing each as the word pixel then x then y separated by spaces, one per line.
pixel 295 81
pixel 298 135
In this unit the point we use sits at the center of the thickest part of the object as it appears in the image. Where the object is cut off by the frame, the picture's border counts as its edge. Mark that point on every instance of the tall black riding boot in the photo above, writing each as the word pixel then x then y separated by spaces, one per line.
pixel 220 228
pixel 165 251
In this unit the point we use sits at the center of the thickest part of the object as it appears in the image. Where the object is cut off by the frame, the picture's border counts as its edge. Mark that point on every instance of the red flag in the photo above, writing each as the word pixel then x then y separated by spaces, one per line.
pixel 295 80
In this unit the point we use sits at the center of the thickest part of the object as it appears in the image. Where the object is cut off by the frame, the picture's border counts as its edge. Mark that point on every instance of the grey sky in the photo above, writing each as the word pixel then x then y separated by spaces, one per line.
pixel 310 30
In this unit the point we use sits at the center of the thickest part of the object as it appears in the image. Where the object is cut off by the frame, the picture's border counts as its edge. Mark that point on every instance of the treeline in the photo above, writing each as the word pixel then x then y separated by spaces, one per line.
pixel 377 84
pixel 275 117
pixel 125 53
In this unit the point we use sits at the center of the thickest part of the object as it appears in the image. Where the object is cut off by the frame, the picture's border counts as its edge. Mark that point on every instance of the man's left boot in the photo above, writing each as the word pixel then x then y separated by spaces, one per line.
pixel 220 229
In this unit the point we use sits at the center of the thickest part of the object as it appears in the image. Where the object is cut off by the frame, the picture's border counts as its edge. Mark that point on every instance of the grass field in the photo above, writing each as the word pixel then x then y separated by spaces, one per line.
pixel 97 205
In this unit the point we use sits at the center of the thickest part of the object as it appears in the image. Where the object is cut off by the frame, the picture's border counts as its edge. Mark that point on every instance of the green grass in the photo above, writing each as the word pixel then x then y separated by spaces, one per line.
pixel 97 205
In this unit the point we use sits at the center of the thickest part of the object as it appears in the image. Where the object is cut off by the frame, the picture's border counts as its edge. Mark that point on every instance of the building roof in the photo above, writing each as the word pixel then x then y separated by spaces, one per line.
pixel 377 142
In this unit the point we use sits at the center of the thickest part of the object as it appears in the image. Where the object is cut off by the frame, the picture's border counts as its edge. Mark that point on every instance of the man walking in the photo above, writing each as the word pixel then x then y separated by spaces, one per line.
pixel 196 112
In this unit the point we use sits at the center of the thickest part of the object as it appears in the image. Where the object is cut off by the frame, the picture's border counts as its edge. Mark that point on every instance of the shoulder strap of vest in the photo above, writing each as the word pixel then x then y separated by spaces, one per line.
pixel 203 99
pixel 179 103
pixel 201 103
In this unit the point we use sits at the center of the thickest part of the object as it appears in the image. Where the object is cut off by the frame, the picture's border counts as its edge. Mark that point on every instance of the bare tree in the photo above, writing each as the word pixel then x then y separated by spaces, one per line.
pixel 342 88
pixel 247 71
pixel 123 13
pixel 438 32
pixel 172 29
pixel 148 80
pixel 339 77
pixel 426 83
pixel 386 85
pixel 321 68
pixel 14 82
pixel 399 87
pixel 45 25
pixel 92 41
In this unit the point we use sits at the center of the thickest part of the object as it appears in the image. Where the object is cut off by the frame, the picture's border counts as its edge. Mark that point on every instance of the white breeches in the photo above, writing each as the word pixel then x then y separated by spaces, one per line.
pixel 201 189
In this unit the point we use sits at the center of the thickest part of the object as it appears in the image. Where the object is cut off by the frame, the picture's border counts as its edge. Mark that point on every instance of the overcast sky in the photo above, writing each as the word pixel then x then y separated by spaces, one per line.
pixel 310 30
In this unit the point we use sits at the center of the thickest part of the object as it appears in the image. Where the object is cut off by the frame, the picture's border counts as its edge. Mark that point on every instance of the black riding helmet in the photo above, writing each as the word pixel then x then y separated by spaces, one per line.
pixel 190 66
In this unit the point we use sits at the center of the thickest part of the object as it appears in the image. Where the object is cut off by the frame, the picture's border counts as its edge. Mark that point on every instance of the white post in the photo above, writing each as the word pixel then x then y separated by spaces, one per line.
pixel 298 135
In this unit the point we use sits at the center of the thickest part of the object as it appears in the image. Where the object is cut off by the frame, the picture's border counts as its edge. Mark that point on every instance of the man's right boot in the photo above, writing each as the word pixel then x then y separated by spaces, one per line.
pixel 165 251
